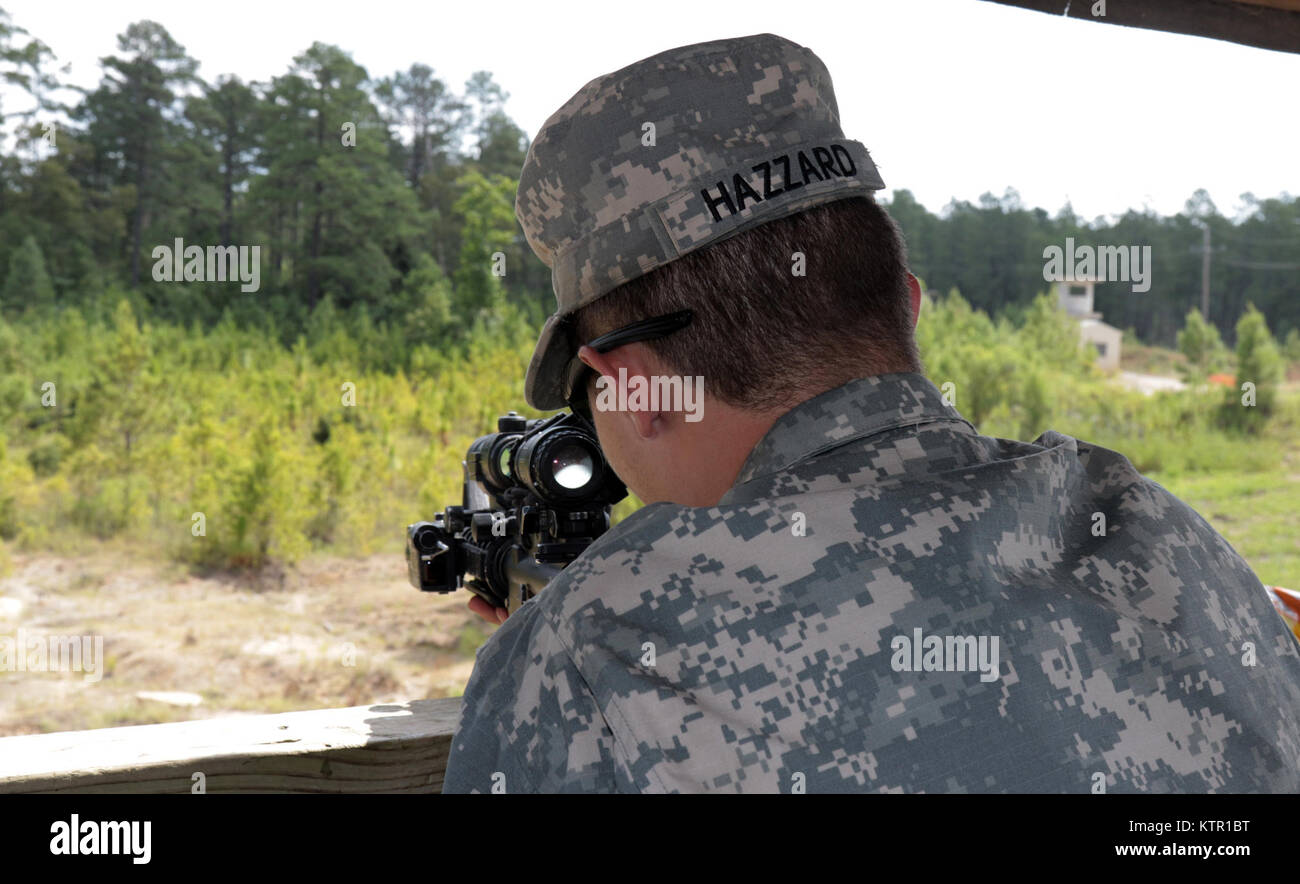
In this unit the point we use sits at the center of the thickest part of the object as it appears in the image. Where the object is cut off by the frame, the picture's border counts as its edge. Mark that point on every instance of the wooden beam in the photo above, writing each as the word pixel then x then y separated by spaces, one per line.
pixel 381 748
pixel 1279 4
pixel 1267 24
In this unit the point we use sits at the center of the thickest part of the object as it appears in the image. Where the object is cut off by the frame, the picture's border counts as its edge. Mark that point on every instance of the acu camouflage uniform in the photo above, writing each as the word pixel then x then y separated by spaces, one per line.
pixel 1123 656
pixel 753 645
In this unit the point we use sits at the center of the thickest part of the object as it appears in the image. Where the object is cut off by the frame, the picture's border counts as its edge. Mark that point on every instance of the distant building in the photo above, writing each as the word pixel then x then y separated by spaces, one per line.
pixel 1075 298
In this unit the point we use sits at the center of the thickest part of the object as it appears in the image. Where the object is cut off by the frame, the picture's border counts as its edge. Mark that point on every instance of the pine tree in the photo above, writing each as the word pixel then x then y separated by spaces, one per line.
pixel 1199 341
pixel 27 283
pixel 1258 363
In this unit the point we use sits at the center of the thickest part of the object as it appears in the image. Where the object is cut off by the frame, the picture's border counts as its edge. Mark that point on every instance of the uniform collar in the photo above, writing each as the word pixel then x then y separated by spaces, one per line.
pixel 863 407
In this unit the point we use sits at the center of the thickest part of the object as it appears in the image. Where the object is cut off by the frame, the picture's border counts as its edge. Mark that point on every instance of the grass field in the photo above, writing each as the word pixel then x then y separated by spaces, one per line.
pixel 1256 513
pixel 333 630
pixel 1257 510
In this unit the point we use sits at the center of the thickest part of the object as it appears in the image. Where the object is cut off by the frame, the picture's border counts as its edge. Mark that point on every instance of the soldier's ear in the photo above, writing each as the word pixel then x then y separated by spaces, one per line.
pixel 600 363
pixel 638 366
pixel 914 289
pixel 634 358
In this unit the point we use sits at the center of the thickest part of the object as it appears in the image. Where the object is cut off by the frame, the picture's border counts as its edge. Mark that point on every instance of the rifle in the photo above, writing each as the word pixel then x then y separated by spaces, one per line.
pixel 537 493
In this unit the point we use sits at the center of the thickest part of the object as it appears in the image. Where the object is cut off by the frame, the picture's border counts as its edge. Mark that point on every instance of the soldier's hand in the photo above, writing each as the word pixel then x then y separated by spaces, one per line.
pixel 487 612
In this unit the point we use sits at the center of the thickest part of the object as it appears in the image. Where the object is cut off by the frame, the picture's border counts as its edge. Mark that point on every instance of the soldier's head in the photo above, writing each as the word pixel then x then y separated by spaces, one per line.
pixel 705 218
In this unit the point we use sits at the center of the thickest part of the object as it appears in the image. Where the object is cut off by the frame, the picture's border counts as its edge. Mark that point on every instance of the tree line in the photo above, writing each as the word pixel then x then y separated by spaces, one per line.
pixel 992 252
pixel 384 195
pixel 385 199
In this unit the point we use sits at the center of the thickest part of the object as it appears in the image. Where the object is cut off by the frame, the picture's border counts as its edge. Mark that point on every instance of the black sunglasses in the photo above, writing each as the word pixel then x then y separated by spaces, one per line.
pixel 575 387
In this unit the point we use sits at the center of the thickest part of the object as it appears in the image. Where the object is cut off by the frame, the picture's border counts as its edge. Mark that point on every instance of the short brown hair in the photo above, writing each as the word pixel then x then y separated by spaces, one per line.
pixel 762 337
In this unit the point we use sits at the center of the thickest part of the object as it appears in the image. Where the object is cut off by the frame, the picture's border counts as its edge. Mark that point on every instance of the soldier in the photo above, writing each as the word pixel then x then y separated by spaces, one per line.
pixel 837 584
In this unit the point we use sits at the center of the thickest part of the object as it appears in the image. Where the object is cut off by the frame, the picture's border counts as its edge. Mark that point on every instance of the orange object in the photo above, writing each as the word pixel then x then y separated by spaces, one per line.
pixel 1287 603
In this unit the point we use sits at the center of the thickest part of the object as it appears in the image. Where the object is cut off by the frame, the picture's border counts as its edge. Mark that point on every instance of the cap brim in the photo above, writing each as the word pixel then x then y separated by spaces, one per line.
pixel 544 383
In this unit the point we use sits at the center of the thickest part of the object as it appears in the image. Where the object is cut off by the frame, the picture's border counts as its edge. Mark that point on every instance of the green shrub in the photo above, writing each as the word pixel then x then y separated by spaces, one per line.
pixel 1259 369
pixel 1199 341
pixel 46 455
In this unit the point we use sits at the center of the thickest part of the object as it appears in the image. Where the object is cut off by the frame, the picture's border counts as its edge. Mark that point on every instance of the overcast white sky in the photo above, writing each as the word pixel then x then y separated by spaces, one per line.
pixel 953 97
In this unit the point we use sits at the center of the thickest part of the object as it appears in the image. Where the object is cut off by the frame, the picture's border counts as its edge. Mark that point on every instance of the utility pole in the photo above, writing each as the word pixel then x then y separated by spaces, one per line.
pixel 1205 272
pixel 1204 224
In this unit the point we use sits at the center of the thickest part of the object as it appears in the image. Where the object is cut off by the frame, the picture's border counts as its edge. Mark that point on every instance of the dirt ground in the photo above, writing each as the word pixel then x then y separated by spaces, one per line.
pixel 328 632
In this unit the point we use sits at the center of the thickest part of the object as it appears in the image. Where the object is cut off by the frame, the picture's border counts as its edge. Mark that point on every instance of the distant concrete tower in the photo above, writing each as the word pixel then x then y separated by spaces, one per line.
pixel 1075 298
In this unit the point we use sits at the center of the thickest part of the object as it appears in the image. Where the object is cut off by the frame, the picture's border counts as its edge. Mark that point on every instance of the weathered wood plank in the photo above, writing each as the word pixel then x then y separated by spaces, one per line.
pixel 380 748
pixel 1268 24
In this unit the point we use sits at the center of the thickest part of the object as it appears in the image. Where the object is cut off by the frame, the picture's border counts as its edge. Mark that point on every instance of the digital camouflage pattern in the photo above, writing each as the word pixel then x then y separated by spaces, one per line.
pixel 672 153
pixel 1142 656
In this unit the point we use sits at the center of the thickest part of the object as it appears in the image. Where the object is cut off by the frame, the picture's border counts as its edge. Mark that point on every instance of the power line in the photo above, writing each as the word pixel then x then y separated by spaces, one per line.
pixel 1263 265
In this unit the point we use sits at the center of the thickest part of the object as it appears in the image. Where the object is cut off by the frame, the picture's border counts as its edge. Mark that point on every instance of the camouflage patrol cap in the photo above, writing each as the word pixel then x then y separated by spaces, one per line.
pixel 675 152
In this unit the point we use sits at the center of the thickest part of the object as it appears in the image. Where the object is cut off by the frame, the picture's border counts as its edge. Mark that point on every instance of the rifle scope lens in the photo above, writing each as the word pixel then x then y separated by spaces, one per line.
pixel 488 460
pixel 572 466
pixel 562 466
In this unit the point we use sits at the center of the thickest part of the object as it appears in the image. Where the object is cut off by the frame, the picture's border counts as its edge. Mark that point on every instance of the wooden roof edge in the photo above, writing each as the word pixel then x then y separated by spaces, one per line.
pixel 1266 24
